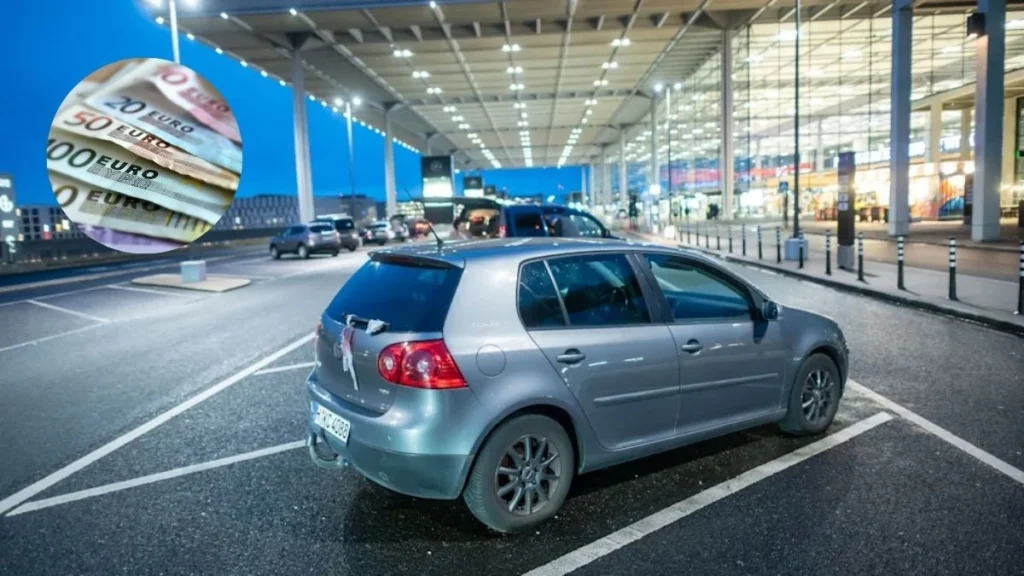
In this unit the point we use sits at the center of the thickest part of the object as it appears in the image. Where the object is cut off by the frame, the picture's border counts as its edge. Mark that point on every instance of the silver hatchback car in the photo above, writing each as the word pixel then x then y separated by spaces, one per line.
pixel 497 370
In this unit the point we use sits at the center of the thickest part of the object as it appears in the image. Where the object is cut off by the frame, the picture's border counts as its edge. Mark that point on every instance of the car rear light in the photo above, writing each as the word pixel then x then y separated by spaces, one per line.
pixel 501 231
pixel 423 364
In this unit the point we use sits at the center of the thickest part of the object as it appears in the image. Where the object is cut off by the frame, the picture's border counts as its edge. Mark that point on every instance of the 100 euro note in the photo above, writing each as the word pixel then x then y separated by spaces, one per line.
pixel 189 92
pixel 105 166
pixel 89 206
pixel 85 121
pixel 132 99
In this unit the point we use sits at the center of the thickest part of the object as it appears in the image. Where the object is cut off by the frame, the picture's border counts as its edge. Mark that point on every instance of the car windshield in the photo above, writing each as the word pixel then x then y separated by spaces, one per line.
pixel 321 228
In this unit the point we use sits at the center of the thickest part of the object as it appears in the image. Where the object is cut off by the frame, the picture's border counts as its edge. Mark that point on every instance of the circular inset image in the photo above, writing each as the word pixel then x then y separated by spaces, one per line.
pixel 144 156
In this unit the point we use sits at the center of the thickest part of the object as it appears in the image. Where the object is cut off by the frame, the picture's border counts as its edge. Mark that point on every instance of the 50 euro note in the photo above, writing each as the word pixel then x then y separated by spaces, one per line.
pixel 105 166
pixel 85 121
pixel 87 205
pixel 133 100
pixel 188 91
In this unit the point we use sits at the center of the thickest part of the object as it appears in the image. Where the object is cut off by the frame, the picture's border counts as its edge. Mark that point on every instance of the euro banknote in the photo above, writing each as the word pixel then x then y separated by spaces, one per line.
pixel 135 101
pixel 128 242
pixel 108 167
pixel 189 92
pixel 91 206
pixel 85 121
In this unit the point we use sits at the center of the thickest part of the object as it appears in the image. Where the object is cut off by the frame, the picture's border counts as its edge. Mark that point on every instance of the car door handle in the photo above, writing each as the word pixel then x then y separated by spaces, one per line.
pixel 692 347
pixel 571 357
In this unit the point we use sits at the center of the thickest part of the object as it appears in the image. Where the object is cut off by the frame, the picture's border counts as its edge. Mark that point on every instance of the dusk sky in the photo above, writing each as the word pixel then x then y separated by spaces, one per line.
pixel 49 47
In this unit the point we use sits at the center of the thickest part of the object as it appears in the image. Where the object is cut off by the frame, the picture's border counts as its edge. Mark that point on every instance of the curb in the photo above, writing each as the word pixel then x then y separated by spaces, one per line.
pixel 993 323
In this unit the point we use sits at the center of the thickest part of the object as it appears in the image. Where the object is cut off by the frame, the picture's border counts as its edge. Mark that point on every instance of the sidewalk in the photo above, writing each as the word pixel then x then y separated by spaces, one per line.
pixel 982 300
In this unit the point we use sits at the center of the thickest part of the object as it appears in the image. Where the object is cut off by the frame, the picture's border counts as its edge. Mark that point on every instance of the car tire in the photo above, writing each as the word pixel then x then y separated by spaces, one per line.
pixel 275 253
pixel 817 384
pixel 302 251
pixel 352 248
pixel 482 493
pixel 334 253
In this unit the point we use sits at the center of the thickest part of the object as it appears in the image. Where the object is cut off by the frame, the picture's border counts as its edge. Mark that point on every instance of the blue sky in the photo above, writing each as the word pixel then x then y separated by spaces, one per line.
pixel 48 46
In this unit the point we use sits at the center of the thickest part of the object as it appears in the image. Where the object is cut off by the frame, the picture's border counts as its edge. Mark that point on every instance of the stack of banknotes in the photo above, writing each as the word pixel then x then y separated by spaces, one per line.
pixel 144 156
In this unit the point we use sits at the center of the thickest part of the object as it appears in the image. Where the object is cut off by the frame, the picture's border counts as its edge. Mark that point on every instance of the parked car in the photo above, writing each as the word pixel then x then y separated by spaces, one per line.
pixel 601 352
pixel 346 228
pixel 399 228
pixel 305 239
pixel 377 233
pixel 549 220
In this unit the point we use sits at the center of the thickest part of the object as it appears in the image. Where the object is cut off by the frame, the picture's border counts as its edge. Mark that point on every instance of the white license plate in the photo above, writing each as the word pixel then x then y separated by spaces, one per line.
pixel 335 425
pixel 328 233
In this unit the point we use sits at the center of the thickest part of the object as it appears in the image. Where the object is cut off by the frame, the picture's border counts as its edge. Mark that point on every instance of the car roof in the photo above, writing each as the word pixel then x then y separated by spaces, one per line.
pixel 515 250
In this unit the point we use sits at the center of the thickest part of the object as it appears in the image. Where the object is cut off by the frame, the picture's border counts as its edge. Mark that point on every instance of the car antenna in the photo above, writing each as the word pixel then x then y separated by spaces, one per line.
pixel 440 243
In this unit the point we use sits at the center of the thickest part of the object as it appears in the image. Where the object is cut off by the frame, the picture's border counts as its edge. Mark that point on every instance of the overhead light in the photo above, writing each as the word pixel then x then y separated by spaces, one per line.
pixel 471 134
pixel 584 121
pixel 420 74
pixel 658 87
pixel 607 65
pixel 589 102
pixel 244 64
pixel 190 36
pixel 398 53
pixel 224 15
pixel 263 73
pixel 523 114
pixel 621 42
pixel 159 19
pixel 589 111
pixel 433 90
pixel 292 11
pixel 219 51
pixel 519 105
pixel 283 83
pixel 511 48
pixel 463 126
pixel 601 82
pixel 449 108
pixel 356 101
pixel 339 102
pixel 334 109
pixel 518 86
pixel 514 70
pixel 433 4
pixel 678 86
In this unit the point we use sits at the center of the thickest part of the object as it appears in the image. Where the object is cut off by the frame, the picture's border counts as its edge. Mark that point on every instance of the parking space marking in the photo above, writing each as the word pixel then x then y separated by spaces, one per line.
pixel 587 554
pixel 52 336
pixel 54 295
pixel 285 368
pixel 943 434
pixel 55 477
pixel 69 311
pixel 150 291
pixel 243 275
pixel 153 478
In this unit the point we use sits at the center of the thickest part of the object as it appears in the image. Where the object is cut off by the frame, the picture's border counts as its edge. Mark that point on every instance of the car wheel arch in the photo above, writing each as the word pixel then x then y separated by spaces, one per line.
pixel 828 349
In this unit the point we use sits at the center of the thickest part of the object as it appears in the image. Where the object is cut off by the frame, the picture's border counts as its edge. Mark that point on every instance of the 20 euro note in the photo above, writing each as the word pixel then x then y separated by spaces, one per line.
pixel 90 206
pixel 85 121
pixel 133 100
pixel 184 88
pixel 109 167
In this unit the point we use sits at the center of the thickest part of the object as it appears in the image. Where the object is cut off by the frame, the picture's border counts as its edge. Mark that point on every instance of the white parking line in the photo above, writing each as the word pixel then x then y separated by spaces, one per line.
pixel 284 368
pixel 612 542
pixel 943 434
pixel 69 311
pixel 148 291
pixel 52 336
pixel 55 477
pixel 54 295
pixel 152 478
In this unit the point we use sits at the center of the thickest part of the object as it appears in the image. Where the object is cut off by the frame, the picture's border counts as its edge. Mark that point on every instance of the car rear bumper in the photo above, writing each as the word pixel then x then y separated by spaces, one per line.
pixel 421 455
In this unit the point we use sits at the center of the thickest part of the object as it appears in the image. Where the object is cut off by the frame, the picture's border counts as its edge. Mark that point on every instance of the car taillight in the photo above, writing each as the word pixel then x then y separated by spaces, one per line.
pixel 316 334
pixel 501 231
pixel 423 364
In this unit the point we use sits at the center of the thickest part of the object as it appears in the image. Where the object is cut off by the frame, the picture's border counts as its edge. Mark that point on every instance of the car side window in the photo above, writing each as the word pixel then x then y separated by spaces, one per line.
pixel 528 224
pixel 599 290
pixel 587 226
pixel 538 300
pixel 695 293
pixel 295 230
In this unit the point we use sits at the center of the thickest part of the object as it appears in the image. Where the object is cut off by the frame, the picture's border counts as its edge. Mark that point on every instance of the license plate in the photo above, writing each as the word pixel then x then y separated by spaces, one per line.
pixel 328 233
pixel 334 425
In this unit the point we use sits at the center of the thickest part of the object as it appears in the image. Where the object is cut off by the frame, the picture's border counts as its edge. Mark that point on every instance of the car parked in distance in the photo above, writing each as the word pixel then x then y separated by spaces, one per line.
pixel 379 233
pixel 521 220
pixel 306 239
pixel 504 368
pixel 345 226
pixel 399 228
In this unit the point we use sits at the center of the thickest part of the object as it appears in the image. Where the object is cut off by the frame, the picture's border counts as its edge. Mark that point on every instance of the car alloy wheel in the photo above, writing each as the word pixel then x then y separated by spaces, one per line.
pixel 527 475
pixel 818 395
pixel 303 251
pixel 274 253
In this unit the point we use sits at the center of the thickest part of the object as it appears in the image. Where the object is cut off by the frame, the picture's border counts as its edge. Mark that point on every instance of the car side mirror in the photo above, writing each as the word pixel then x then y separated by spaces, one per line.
pixel 769 310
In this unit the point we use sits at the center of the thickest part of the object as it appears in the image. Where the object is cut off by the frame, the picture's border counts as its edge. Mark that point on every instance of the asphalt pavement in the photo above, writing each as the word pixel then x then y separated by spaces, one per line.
pixel 159 431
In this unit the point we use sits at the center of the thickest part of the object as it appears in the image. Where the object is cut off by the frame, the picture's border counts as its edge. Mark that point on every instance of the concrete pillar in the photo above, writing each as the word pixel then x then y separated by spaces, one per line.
pixel 607 178
pixel 1009 142
pixel 726 165
pixel 819 149
pixel 654 182
pixel 933 153
pixel 988 139
pixel 430 145
pixel 965 134
pixel 899 164
pixel 303 174
pixel 623 180
pixel 390 196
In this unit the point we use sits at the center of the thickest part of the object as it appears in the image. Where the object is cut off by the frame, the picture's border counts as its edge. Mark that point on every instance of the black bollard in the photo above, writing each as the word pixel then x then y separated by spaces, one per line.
pixel 718 238
pixel 860 256
pixel 828 252
pixel 952 268
pixel 899 263
pixel 707 236
pixel 760 252
pixel 801 260
pixel 730 239
pixel 687 230
pixel 743 232
pixel 778 245
pixel 1020 288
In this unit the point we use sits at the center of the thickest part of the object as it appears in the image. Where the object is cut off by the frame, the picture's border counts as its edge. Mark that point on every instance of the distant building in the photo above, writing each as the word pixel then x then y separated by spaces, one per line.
pixel 46 222
pixel 272 210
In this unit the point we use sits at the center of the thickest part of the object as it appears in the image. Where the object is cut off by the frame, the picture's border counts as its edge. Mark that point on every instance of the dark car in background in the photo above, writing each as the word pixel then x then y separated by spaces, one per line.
pixel 306 239
pixel 345 227
pixel 549 220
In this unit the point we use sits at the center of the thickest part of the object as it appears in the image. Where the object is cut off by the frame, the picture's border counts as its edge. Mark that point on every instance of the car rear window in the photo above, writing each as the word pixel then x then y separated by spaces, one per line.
pixel 321 228
pixel 529 224
pixel 409 297
pixel 342 225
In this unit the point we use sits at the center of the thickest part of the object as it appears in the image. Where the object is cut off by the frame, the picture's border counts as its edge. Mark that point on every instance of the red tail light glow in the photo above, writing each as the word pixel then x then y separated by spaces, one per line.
pixel 424 364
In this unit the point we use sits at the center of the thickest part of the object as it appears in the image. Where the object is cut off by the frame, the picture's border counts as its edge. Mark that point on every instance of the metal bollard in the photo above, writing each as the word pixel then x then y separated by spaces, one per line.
pixel 743 232
pixel 860 256
pixel 718 238
pixel 828 252
pixel 952 268
pixel 1020 288
pixel 778 245
pixel 707 235
pixel 730 239
pixel 801 261
pixel 760 252
pixel 899 263
pixel 687 230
